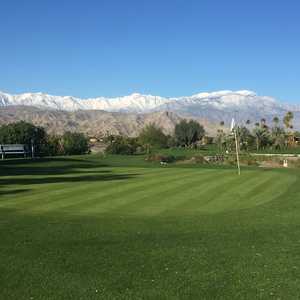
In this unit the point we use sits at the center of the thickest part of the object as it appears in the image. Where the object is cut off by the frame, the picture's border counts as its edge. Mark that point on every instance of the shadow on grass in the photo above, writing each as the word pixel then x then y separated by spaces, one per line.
pixel 29 172
pixel 13 192
pixel 85 178
pixel 47 166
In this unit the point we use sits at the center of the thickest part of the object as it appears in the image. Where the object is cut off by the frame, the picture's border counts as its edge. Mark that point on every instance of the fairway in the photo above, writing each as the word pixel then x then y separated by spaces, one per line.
pixel 121 228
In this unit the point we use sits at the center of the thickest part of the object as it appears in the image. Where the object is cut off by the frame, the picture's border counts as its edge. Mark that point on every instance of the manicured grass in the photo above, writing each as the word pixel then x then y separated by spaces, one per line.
pixel 121 228
pixel 291 150
pixel 189 152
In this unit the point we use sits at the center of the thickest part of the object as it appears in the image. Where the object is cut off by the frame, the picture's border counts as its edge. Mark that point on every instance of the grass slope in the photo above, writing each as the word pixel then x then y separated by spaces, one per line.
pixel 121 228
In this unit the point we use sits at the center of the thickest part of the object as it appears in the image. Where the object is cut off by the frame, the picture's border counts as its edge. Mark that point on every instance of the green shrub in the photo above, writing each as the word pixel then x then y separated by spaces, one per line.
pixel 152 136
pixel 74 143
pixel 188 132
pixel 54 146
pixel 123 145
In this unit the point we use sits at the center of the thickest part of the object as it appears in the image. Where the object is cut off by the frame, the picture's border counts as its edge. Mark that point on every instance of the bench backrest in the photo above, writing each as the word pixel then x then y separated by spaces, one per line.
pixel 12 148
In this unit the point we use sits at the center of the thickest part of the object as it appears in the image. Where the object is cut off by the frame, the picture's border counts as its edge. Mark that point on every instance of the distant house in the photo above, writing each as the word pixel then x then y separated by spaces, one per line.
pixel 207 140
pixel 97 144
pixel 293 140
pixel 93 140
pixel 297 140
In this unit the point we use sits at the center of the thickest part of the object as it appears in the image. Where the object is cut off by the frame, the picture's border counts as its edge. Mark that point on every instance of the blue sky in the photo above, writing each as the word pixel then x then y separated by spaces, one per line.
pixel 168 47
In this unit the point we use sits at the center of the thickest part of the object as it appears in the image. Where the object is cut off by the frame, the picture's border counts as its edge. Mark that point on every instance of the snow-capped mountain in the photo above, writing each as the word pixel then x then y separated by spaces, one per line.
pixel 215 106
pixel 132 103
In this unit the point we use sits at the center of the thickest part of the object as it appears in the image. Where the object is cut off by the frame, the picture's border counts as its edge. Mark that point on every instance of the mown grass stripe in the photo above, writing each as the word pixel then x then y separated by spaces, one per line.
pixel 163 198
pixel 59 190
pixel 232 193
pixel 112 188
pixel 199 197
pixel 270 191
pixel 122 197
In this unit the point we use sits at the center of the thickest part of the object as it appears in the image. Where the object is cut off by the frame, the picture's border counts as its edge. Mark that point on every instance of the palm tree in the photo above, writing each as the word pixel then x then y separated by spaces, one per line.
pixel 263 123
pixel 287 121
pixel 262 134
pixel 245 137
pixel 220 136
pixel 276 121
pixel 256 134
pixel 278 137
pixel 277 134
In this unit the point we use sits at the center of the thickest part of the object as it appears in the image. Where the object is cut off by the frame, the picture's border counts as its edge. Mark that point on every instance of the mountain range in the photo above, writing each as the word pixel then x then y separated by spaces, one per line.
pixel 94 123
pixel 205 107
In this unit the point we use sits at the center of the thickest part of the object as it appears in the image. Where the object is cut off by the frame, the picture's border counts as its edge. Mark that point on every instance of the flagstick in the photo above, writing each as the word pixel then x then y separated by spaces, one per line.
pixel 237 153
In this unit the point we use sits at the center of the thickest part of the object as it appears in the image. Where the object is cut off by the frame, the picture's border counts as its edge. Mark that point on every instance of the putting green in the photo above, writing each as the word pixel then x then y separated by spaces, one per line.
pixel 121 228
pixel 143 191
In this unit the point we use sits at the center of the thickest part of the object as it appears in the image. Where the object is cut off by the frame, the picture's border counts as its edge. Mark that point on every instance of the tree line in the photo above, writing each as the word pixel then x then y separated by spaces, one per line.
pixel 260 135
pixel 70 143
pixel 186 134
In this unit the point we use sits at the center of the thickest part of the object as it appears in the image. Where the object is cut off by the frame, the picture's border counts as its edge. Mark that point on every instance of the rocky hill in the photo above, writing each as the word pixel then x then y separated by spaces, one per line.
pixel 93 122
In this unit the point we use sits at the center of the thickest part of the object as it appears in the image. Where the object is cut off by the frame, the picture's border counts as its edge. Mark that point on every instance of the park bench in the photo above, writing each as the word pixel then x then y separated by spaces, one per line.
pixel 12 149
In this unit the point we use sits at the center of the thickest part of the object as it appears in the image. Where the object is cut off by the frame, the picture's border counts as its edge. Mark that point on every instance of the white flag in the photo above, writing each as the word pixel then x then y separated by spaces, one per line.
pixel 232 125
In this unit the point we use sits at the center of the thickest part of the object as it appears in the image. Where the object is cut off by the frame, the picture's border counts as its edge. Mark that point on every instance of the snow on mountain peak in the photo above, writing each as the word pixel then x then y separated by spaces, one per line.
pixel 214 106
pixel 140 103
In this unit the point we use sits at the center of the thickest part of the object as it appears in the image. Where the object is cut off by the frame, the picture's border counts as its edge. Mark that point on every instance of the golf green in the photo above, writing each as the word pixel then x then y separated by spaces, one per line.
pixel 120 228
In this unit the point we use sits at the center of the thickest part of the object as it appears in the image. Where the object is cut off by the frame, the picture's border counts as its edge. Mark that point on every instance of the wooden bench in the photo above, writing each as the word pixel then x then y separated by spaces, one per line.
pixel 12 149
